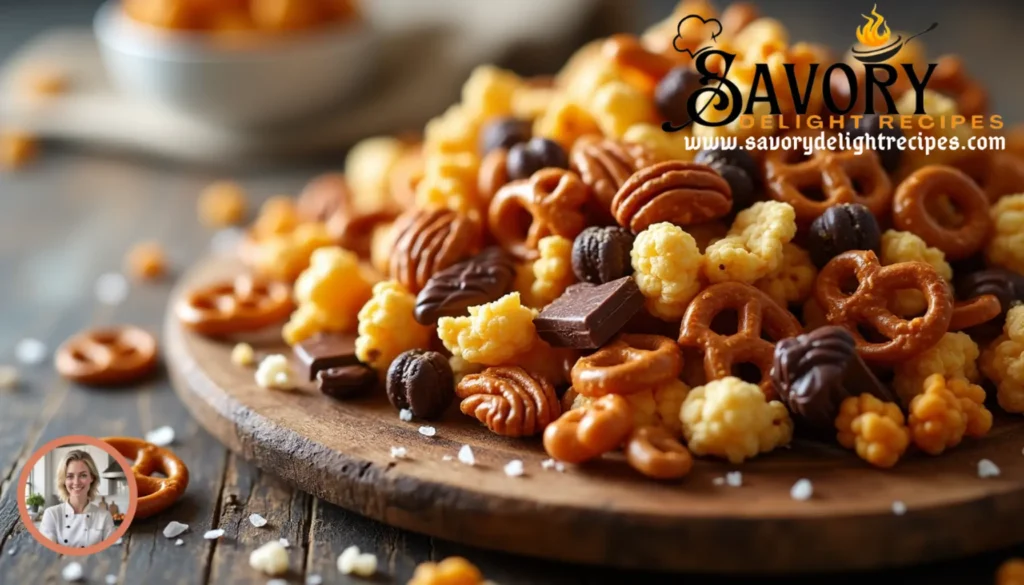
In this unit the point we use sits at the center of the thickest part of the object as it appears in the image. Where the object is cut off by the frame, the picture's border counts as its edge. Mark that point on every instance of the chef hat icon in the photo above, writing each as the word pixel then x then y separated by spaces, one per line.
pixel 696 32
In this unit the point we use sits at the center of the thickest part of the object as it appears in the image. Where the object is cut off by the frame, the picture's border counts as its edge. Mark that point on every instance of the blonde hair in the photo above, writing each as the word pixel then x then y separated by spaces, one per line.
pixel 62 471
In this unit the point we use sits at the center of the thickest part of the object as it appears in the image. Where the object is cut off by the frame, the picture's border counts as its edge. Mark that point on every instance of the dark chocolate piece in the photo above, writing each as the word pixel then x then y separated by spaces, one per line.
pixel 1005 285
pixel 586 315
pixel 326 350
pixel 813 373
pixel 528 157
pixel 845 227
pixel 421 381
pixel 346 381
pixel 601 254
pixel 673 92
pixel 504 133
pixel 744 193
pixel 719 157
pixel 481 279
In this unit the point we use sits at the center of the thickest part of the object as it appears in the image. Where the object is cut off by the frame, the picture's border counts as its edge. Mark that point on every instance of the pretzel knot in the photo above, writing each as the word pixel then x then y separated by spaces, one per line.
pixel 548 203
pixel 825 179
pixel 156 494
pixel 585 433
pixel 911 210
pixel 509 400
pixel 236 306
pixel 868 304
pixel 758 317
pixel 116 355
pixel 630 363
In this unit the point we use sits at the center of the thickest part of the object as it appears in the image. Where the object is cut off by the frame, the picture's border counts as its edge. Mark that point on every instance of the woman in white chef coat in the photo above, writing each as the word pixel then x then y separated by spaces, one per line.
pixel 76 522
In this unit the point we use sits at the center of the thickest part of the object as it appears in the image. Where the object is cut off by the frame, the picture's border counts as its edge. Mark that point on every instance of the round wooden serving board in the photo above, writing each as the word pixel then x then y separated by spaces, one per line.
pixel 603 513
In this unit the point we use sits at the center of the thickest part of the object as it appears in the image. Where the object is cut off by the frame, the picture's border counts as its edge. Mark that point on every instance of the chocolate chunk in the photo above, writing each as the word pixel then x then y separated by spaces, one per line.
pixel 718 157
pixel 504 133
pixel 526 158
pixel 744 194
pixel 478 280
pixel 842 228
pixel 421 381
pixel 673 92
pixel 601 254
pixel 871 125
pixel 586 316
pixel 346 381
pixel 1005 285
pixel 327 350
pixel 813 373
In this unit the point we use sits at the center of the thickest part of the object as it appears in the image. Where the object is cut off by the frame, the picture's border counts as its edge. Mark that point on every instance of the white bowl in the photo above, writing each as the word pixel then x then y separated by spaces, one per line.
pixel 262 82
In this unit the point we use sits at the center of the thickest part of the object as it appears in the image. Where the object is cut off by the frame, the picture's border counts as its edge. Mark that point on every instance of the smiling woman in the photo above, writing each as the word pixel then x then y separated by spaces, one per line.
pixel 77 522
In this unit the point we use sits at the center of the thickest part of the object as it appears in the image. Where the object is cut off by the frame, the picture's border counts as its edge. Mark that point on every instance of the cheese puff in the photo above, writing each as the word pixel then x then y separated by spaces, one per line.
pixel 794 281
pixel 666 264
pixel 461 368
pixel 731 418
pixel 1006 248
pixel 652 407
pixel 367 170
pixel 446 192
pixel 552 271
pixel 664 145
pixel 454 131
pixel 754 245
pixel 530 103
pixel 900 246
pixel 278 215
pixel 285 256
pixel 617 105
pixel 955 354
pixel 972 402
pixel 875 429
pixel 523 284
pixel 937 421
pixel 565 121
pixel 387 326
pixel 329 294
pixel 492 334
pixel 1003 362
pixel 755 39
pixel 593 74
pixel 707 233
pixel 488 92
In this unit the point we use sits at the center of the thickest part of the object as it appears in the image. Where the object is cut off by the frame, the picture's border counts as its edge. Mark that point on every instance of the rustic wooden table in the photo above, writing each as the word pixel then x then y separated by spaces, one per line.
pixel 70 218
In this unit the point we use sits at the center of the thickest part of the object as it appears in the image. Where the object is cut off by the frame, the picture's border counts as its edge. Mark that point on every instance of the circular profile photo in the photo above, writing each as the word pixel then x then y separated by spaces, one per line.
pixel 78 495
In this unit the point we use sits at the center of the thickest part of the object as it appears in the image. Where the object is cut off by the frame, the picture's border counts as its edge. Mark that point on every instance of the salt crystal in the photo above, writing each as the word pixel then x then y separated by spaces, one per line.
pixel 179 542
pixel 405 414
pixel 13 550
pixel 284 542
pixel 111 579
pixel 466 455
pixel 547 464
pixel 718 481
pixel 8 377
pixel 174 529
pixel 987 469
pixel 514 468
pixel 802 490
pixel 257 520
pixel 277 582
pixel 314 580
pixel 30 351
pixel 428 431
pixel 899 508
pixel 213 534
pixel 72 572
pixel 161 437
pixel 353 562
pixel 111 288
pixel 226 241
pixel 734 479
pixel 399 452
pixel 271 559
pixel 559 467
pixel 119 542
pixel 447 458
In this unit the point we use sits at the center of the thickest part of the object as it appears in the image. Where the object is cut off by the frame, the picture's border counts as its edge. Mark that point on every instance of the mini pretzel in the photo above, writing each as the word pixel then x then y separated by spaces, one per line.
pixel 757 315
pixel 586 433
pixel 228 307
pixel 997 172
pixel 980 309
pixel 840 176
pixel 627 364
pixel 876 285
pixel 107 356
pixel 910 210
pixel 156 494
pixel 654 452
pixel 548 203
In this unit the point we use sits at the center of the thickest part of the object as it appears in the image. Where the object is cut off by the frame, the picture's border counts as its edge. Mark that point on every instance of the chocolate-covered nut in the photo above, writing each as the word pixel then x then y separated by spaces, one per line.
pixel 718 157
pixel 744 193
pixel 601 254
pixel 870 125
pixel 504 133
pixel 481 279
pixel 421 381
pixel 813 373
pixel 538 153
pixel 673 92
pixel 1006 285
pixel 842 228
pixel 346 381
pixel 587 315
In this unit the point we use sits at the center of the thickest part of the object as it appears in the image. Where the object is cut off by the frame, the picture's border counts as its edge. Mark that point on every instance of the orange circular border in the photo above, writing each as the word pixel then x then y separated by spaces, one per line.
pixel 133 496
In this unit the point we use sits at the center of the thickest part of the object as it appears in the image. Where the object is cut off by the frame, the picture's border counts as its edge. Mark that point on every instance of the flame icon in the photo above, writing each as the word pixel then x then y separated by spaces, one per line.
pixel 876 32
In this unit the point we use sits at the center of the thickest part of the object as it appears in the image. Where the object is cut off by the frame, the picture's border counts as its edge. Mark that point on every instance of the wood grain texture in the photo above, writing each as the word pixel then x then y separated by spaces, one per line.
pixel 341 453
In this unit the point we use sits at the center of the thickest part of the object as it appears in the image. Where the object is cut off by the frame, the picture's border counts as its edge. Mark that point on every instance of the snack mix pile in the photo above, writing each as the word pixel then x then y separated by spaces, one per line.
pixel 550 257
